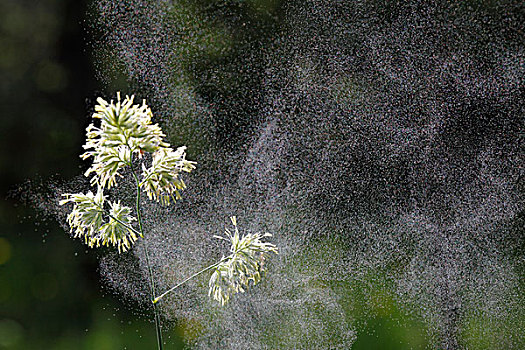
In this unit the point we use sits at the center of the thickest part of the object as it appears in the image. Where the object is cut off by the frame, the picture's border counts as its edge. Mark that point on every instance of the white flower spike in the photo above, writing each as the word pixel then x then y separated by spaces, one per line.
pixel 234 273
pixel 88 220
pixel 161 181
pixel 124 129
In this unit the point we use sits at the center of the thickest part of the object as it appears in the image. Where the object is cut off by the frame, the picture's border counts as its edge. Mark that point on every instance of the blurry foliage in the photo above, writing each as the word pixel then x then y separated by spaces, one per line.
pixel 49 288
pixel 365 299
pixel 39 55
pixel 221 58
pixel 50 295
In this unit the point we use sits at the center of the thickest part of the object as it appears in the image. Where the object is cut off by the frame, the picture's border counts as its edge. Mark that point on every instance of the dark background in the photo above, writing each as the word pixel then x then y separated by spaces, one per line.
pixel 51 295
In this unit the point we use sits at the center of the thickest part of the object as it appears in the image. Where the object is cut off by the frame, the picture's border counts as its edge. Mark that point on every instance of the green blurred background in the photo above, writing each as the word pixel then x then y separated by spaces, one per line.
pixel 51 294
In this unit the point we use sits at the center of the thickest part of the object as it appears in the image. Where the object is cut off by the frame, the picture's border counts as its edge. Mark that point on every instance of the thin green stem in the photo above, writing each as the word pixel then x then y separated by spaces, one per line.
pixel 123 224
pixel 157 299
pixel 146 178
pixel 152 281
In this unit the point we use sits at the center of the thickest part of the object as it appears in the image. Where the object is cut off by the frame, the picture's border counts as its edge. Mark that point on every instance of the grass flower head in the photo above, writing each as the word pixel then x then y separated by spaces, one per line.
pixel 124 129
pixel 162 180
pixel 89 220
pixel 245 263
pixel 87 215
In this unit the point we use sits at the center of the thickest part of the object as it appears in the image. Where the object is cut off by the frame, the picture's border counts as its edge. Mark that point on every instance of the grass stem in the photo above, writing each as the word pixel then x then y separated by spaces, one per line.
pixel 150 272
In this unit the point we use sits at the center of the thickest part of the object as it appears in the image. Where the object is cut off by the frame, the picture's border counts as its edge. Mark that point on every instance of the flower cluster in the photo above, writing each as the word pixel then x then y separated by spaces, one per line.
pixel 125 129
pixel 88 220
pixel 118 230
pixel 245 263
pixel 161 181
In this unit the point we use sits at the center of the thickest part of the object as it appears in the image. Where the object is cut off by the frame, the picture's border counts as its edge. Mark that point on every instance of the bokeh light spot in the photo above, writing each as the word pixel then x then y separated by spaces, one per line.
pixel 10 333
pixel 5 251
